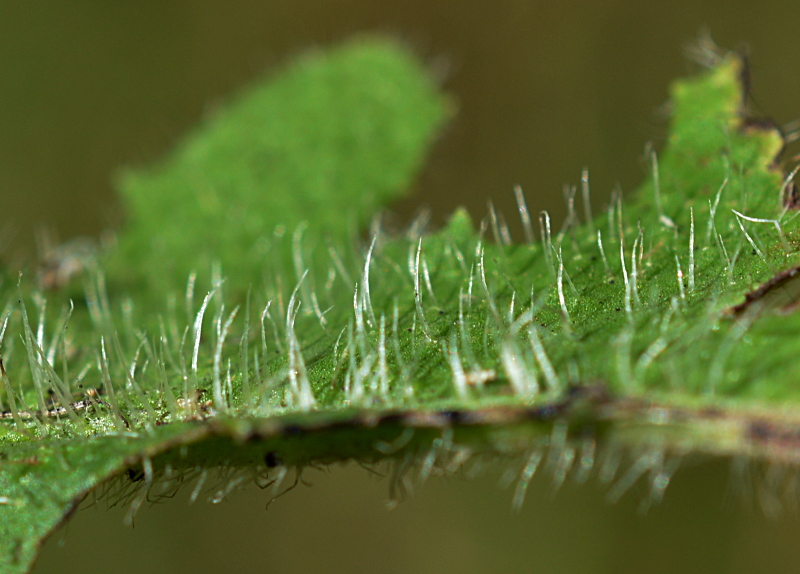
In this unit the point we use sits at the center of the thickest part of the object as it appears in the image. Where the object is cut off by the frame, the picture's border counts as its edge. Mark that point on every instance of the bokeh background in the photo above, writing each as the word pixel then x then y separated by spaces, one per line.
pixel 544 89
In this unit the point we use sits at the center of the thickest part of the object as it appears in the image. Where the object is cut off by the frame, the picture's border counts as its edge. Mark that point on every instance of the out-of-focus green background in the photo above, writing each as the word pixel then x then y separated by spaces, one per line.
pixel 544 88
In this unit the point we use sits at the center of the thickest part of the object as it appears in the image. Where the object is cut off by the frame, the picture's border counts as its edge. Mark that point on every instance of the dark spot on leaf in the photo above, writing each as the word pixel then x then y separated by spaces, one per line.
pixel 135 474
pixel 777 435
pixel 759 430
pixel 272 459
pixel 392 418
pixel 453 416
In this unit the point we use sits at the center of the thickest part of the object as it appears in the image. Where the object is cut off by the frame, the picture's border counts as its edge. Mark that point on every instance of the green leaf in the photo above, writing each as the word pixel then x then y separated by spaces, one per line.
pixel 636 333
pixel 309 155
pixel 348 127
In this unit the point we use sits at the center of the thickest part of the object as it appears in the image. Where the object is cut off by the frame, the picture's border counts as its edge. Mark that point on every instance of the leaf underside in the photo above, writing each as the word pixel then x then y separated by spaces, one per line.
pixel 240 323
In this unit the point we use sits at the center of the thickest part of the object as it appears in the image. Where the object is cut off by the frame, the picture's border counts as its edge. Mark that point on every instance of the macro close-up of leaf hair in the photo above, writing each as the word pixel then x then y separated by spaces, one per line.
pixel 258 315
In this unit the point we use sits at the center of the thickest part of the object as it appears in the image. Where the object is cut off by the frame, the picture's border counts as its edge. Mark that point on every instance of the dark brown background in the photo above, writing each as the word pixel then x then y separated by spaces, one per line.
pixel 544 89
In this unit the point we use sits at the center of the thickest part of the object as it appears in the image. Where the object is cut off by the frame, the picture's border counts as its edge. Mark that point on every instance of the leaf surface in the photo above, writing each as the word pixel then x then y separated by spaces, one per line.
pixel 639 330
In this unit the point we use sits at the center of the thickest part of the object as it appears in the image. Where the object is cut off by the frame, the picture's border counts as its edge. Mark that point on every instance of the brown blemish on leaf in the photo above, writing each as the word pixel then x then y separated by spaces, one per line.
pixel 791 196
pixel 780 294
pixel 716 431
pixel 775 436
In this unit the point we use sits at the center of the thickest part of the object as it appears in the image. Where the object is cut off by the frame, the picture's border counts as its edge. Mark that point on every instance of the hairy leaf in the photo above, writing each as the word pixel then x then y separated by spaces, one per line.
pixel 242 331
